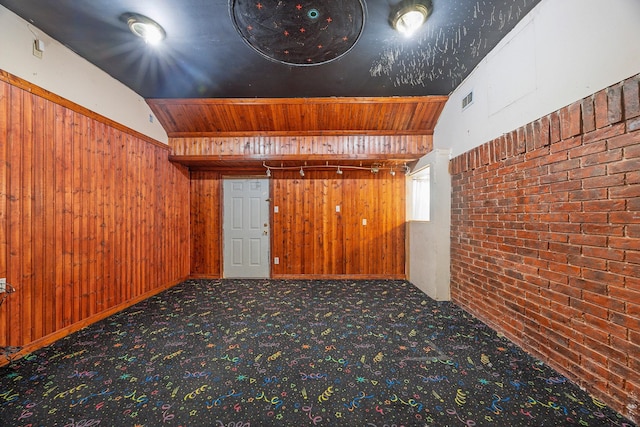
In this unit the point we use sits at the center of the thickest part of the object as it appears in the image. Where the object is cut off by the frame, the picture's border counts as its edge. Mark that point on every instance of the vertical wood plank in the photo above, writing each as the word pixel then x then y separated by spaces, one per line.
pixel 14 274
pixel 4 173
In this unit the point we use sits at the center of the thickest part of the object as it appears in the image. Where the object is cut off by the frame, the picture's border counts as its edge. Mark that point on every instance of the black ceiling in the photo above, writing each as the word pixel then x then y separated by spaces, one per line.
pixel 204 56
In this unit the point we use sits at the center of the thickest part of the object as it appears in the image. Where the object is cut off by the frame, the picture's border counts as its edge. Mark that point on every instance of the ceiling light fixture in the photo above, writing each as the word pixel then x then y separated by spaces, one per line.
pixel 146 28
pixel 409 15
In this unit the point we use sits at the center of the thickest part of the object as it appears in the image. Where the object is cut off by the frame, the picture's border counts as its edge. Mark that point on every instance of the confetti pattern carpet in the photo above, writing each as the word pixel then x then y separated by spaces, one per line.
pixel 241 353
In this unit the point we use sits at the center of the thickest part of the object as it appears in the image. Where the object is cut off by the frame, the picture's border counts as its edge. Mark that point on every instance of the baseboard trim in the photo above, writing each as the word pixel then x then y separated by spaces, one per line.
pixel 61 333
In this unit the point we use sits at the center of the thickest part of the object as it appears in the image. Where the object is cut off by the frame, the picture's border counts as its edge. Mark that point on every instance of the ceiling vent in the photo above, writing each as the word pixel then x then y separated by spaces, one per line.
pixel 467 100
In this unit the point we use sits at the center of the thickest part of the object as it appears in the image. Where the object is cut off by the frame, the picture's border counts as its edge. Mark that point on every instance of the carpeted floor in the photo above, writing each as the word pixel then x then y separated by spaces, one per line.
pixel 241 353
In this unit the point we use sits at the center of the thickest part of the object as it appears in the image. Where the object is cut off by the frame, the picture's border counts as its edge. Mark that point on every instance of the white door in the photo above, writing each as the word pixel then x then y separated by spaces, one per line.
pixel 245 227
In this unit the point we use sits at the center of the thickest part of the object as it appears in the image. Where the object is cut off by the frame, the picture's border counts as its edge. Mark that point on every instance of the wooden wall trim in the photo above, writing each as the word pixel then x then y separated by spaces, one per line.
pixel 296 146
pixel 57 99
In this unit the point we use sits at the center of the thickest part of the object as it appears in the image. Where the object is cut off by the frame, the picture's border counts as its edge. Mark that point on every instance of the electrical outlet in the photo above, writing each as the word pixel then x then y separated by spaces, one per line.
pixel 3 284
pixel 276 260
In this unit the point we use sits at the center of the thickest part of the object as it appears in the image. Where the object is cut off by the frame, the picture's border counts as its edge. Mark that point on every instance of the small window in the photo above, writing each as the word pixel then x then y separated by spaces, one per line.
pixel 421 183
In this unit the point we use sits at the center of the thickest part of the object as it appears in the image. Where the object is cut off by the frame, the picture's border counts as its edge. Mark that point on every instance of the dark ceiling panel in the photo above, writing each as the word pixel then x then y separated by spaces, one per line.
pixel 204 56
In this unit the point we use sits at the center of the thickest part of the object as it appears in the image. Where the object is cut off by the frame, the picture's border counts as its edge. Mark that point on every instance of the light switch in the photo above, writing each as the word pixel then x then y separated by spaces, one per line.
pixel 337 208
pixel 364 221
pixel 276 260
pixel 275 209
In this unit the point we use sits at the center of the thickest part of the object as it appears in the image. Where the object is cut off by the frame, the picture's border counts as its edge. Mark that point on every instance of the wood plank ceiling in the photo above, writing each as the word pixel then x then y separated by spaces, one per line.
pixel 302 116
pixel 222 133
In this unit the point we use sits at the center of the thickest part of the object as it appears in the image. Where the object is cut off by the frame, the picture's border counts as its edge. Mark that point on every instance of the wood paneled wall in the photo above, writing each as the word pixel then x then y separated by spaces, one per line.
pixel 206 224
pixel 92 217
pixel 311 238
pixel 308 235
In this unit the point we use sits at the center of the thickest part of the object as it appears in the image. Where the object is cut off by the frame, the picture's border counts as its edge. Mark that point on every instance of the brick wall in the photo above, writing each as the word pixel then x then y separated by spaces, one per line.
pixel 545 240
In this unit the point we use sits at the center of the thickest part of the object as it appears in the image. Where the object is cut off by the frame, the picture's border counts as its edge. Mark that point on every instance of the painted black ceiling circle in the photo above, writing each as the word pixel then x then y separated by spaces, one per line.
pixel 299 33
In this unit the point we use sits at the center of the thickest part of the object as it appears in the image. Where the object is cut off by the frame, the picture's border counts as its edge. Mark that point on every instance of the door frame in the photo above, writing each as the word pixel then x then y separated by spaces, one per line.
pixel 227 176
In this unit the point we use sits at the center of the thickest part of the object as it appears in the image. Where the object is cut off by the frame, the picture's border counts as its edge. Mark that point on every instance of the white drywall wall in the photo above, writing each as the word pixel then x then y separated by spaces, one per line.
pixel 428 242
pixel 562 51
pixel 64 73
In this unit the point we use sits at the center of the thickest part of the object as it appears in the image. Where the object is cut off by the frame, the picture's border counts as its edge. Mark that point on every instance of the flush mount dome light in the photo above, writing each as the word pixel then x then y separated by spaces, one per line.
pixel 146 28
pixel 409 15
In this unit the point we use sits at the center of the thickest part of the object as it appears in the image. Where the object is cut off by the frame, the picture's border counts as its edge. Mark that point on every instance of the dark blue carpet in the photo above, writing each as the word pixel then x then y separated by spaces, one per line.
pixel 241 353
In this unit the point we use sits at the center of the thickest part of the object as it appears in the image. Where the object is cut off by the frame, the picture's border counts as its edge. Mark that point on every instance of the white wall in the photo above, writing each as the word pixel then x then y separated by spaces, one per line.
pixel 428 243
pixel 64 73
pixel 562 51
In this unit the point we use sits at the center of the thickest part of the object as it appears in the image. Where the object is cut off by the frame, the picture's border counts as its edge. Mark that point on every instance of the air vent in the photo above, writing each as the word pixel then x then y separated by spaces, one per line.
pixel 467 100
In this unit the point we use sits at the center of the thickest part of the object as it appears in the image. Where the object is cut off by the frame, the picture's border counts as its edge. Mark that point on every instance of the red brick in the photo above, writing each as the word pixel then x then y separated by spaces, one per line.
pixel 604 133
pixel 601 108
pixel 633 178
pixel 570 120
pixel 588 115
pixel 633 309
pixel 554 127
pixel 521 140
pixel 603 181
pixel 629 139
pixel 604 348
pixel 555 277
pixel 633 204
pixel 529 137
pixel 588 172
pixel 583 150
pixel 588 352
pixel 630 217
pixel 625 192
pixel 603 301
pixel 553 256
pixel 565 186
pixel 600 158
pixel 625 294
pixel 603 229
pixel 588 285
pixel 624 243
pixel 625 268
pixel 582 261
pixel 591 194
pixel 541 132
pixel 583 217
pixel 604 253
pixel 606 326
pixel 633 124
pixel 624 166
pixel 632 256
pixel 614 100
pixel 586 328
pixel 631 96
pixel 604 205
pixel 633 230
pixel 625 320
